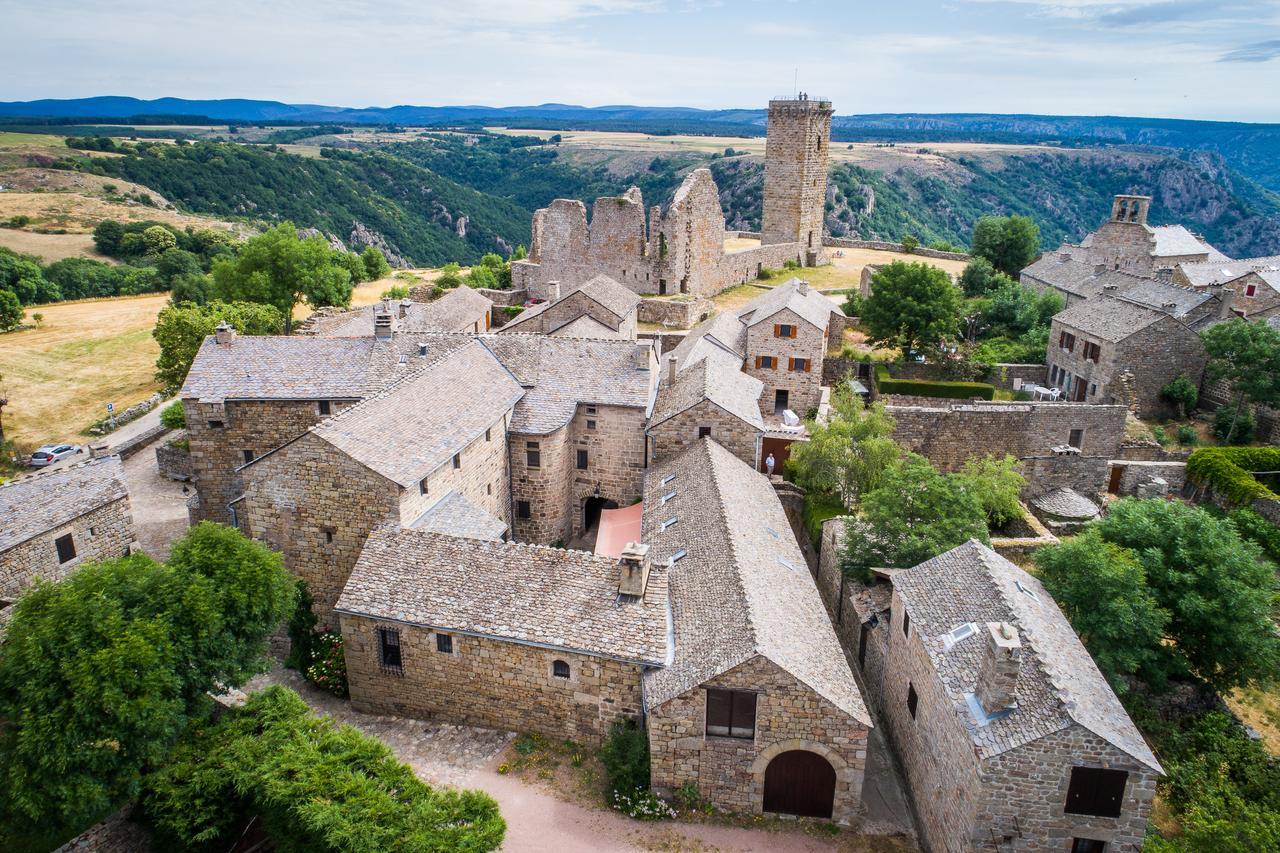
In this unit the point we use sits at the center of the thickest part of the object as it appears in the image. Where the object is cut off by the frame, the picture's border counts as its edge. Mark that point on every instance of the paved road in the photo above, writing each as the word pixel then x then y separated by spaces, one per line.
pixel 134 428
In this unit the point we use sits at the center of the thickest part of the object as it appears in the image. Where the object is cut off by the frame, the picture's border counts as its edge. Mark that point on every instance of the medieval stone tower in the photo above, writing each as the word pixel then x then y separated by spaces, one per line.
pixel 795 171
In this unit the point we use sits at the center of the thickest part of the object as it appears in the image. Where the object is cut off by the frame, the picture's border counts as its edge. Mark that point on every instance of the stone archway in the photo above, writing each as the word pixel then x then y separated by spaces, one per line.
pixel 800 782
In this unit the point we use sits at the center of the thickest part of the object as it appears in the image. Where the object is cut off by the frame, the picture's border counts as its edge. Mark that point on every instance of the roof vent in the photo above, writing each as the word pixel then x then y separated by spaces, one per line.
pixel 633 569
pixel 668 496
pixel 679 555
pixel 224 335
pixel 668 479
pixel 422 349
pixel 803 288
pixel 669 522
pixel 998 675
pixel 382 320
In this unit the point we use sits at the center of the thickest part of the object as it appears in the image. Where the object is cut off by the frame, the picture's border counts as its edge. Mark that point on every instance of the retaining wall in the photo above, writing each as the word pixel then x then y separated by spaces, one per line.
pixel 678 313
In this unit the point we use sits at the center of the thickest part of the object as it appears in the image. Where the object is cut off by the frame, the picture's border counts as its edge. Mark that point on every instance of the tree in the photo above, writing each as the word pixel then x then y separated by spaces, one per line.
pixel 1010 243
pixel 189 288
pixel 101 672
pixel 849 454
pixel 978 278
pixel 1247 356
pixel 1102 590
pixel 996 484
pixel 914 514
pixel 173 416
pixel 1013 309
pixel 450 276
pixel 1217 588
pixel 277 268
pixel 107 236
pixel 158 240
pixel 181 329
pixel 375 263
pixel 10 311
pixel 22 276
pixel 913 306
pixel 481 276
pixel 175 262
pixel 352 263
pixel 1182 393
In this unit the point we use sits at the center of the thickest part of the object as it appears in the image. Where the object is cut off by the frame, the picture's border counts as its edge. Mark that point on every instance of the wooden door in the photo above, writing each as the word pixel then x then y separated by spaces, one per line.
pixel 800 783
pixel 1113 486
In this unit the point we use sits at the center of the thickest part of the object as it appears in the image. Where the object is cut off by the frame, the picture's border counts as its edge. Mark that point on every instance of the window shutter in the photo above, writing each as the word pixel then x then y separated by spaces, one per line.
pixel 806 365
pixel 757 362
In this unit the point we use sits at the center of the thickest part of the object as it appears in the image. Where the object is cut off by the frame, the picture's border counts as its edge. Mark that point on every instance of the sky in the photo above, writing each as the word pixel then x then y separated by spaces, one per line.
pixel 1204 59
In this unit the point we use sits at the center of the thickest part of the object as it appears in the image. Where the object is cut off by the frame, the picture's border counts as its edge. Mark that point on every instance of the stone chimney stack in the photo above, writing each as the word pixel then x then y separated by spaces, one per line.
pixel 998 675
pixel 803 288
pixel 633 569
pixel 642 354
pixel 553 291
pixel 224 335
pixel 671 369
pixel 404 307
pixel 382 321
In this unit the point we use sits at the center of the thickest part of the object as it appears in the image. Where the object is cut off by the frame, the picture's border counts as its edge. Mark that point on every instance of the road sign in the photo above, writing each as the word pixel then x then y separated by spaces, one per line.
pixel 110 408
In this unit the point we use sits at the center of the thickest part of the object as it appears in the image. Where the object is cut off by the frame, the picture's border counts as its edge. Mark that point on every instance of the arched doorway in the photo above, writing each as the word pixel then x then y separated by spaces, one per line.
pixel 801 783
pixel 591 511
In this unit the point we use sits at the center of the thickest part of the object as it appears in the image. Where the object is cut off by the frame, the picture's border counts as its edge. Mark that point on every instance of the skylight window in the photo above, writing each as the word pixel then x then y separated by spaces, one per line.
pixel 1025 591
pixel 771 532
pixel 670 521
pixel 678 556
pixel 667 479
pixel 955 635
pixel 788 564
pixel 668 496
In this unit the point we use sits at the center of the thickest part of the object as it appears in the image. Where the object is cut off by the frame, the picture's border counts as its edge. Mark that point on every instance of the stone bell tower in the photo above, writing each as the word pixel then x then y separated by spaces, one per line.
pixel 795 172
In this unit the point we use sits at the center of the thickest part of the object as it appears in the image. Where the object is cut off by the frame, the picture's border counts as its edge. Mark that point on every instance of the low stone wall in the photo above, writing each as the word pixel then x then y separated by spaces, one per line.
pixel 1138 474
pixel 664 342
pixel 676 313
pixel 1003 375
pixel 1036 536
pixel 173 462
pixel 1268 508
pixel 504 297
pixel 128 448
pixel 1149 451
pixel 885 246
pixel 743 267
pixel 836 368
pixel 116 834
pixel 106 426
pixel 1086 475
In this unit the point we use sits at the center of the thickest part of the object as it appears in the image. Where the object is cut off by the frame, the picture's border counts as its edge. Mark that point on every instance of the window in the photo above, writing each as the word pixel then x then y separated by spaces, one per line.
pixel 247 454
pixel 731 713
pixel 1076 438
pixel 766 362
pixel 1067 341
pixel 1095 791
pixel 704 432
pixel 1053 375
pixel 800 365
pixel 389 649
pixel 560 669
pixel 582 460
pixel 522 509
pixel 328 536
pixel 591 424
pixel 591 410
pixel 488 489
pixel 1093 389
pixel 323 407
pixel 783 330
pixel 93 531
pixel 457 461
pixel 215 424
pixel 906 623
pixel 1092 351
pixel 66 548
pixel 532 455
pixel 1087 845
pixel 670 521
pixel 444 643
pixel 486 435
pixel 1250 289
pixel 678 556
pixel 912 700
pixel 422 486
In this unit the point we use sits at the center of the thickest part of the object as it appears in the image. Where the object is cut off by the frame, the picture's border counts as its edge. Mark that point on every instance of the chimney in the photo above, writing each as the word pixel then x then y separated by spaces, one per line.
pixel 641 354
pixel 671 369
pixel 224 335
pixel 1099 269
pixel 1063 257
pixel 553 291
pixel 382 321
pixel 803 288
pixel 633 569
pixel 998 675
pixel 1225 299
pixel 99 449
pixel 1109 287
pixel 404 307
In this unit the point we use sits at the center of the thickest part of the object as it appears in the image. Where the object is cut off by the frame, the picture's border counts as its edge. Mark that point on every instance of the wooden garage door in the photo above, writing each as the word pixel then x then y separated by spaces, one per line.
pixel 800 783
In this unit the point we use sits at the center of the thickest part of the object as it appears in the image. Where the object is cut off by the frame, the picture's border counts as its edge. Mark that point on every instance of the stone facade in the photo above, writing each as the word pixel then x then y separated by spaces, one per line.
pixel 676 313
pixel 1137 475
pixel 102 533
pixel 679 432
pixel 730 772
pixel 565 310
pixel 173 461
pixel 808 344
pixel 491 682
pixel 795 172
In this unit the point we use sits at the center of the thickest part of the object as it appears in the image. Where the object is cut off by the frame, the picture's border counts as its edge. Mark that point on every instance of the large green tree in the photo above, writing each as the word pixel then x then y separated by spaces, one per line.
pixel 1247 356
pixel 10 311
pixel 278 268
pixel 1010 243
pixel 913 306
pixel 375 263
pixel 997 485
pixel 181 329
pixel 22 276
pixel 101 672
pixel 914 514
pixel 849 453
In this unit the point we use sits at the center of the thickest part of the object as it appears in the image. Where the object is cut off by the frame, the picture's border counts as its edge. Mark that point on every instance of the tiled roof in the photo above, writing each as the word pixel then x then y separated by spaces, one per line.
pixel 743 588
pixel 458 309
pixel 586 327
pixel 523 593
pixel 273 367
pixel 1206 273
pixel 1167 298
pixel 37 503
pixel 1175 240
pixel 723 332
pixel 793 295
pixel 454 515
pixel 1058 682
pixel 1069 269
pixel 612 296
pixel 1066 503
pixel 1108 318
pixel 415 425
pixel 718 378
pixel 526 315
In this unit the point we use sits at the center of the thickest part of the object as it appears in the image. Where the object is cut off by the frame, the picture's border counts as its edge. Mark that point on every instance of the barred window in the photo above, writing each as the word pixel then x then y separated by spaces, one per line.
pixel 389 649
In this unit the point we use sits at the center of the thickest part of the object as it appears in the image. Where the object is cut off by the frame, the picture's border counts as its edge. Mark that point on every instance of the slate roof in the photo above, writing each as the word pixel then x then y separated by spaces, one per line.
pixel 1070 270
pixel 277 367
pixel 1207 273
pixel 522 593
pixel 732 596
pixel 1175 240
pixel 458 309
pixel 1058 682
pixel 1168 298
pixel 417 424
pixel 1108 318
pixel 37 503
pixel 723 332
pixel 611 295
pixel 809 304
pixel 586 327
pixel 718 378
pixel 1066 503
pixel 454 515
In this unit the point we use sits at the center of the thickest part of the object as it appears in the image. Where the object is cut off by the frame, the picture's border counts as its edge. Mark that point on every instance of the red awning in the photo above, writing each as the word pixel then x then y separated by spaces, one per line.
pixel 617 528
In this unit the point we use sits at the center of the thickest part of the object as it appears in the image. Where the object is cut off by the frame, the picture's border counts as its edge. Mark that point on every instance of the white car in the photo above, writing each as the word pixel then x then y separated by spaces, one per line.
pixel 51 453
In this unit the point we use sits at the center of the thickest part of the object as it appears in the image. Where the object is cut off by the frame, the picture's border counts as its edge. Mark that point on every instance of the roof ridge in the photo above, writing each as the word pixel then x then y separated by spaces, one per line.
pixel 510 545
pixel 714 469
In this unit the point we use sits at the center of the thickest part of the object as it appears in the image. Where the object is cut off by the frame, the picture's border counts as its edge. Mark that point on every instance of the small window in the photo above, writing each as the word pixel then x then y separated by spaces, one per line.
pixel 422 486
pixel 444 643
pixel 488 489
pixel 532 455
pixel 457 461
pixel 323 407
pixel 1093 389
pixel 799 365
pixel 560 669
pixel 679 555
pixel 328 536
pixel 1096 791
pixel 766 362
pixel 389 649
pixel 522 509
pixel 591 424
pixel 1250 289
pixel 582 460
pixel 670 521
pixel 912 700
pixel 784 330
pixel 247 454
pixel 731 713
pixel 215 424
pixel 906 623
pixel 1088 845
pixel 704 432
pixel 487 435
pixel 667 479
pixel 591 410
pixel 1076 438
pixel 66 548
pixel 93 531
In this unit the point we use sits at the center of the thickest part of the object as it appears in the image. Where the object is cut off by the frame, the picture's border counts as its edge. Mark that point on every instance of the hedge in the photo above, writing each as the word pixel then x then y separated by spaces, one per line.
pixel 1225 470
pixel 885 384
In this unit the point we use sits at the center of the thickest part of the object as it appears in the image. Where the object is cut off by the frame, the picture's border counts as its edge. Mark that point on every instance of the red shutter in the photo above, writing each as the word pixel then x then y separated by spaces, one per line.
pixel 807 363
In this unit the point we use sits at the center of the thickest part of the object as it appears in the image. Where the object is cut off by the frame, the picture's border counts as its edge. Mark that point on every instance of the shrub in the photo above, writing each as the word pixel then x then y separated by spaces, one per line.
pixel 1187 436
pixel 885 384
pixel 1245 424
pixel 450 276
pixel 996 484
pixel 625 756
pixel 642 805
pixel 1226 471
pixel 852 306
pixel 1161 437
pixel 910 244
pixel 173 417
pixel 396 291
pixel 1252 526
pixel 329 667
pixel 1181 392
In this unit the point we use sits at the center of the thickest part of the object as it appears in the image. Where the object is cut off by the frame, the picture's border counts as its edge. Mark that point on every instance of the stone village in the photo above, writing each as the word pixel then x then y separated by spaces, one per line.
pixel 579 521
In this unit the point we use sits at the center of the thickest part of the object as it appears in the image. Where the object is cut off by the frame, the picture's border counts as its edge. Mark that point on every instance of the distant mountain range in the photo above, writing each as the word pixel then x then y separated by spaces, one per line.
pixel 1251 149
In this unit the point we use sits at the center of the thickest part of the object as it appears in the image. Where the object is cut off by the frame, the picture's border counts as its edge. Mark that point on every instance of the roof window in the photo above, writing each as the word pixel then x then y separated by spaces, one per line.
pixel 788 564
pixel 771 532
pixel 670 521
pixel 955 635
pixel 668 496
pixel 667 479
pixel 1030 593
pixel 679 555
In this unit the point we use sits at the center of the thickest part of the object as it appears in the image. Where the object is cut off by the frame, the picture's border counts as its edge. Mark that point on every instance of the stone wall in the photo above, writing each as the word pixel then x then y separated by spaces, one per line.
pixel 1004 375
pixel 677 433
pixel 663 342
pixel 730 771
pixel 482 478
pixel 795 172
pixel 489 682
pixel 1046 472
pixel 115 834
pixel 174 462
pixel 675 313
pixel 854 243
pixel 803 387
pixel 618 242
pixel 1138 474
pixel 102 533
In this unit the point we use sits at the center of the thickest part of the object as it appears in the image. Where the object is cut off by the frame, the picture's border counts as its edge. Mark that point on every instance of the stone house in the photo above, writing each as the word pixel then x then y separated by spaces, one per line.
pixel 786 341
pixel 757 707
pixel 55 521
pixel 1008 735
pixel 490 633
pixel 427 452
pixel 1253 283
pixel 712 398
pixel 601 308
pixel 1124 347
pixel 459 309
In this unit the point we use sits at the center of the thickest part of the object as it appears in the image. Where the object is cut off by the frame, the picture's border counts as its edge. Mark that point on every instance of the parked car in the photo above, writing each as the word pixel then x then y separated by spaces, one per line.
pixel 51 453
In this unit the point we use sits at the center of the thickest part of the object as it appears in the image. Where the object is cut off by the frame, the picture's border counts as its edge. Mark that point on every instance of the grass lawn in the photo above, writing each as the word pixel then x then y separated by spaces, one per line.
pixel 59 378
pixel 1261 710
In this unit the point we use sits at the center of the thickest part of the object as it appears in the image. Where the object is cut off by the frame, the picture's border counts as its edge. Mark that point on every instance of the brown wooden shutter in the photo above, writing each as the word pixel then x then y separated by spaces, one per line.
pixel 777 330
pixel 808 362
pixel 757 362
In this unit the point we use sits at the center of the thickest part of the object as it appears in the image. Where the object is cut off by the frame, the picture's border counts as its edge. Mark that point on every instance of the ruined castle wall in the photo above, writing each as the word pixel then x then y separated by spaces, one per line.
pixel 693 234
pixel 745 266
pixel 618 243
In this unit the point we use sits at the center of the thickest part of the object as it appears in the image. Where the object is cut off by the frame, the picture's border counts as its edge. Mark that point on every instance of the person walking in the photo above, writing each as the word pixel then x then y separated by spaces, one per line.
pixel 768 464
